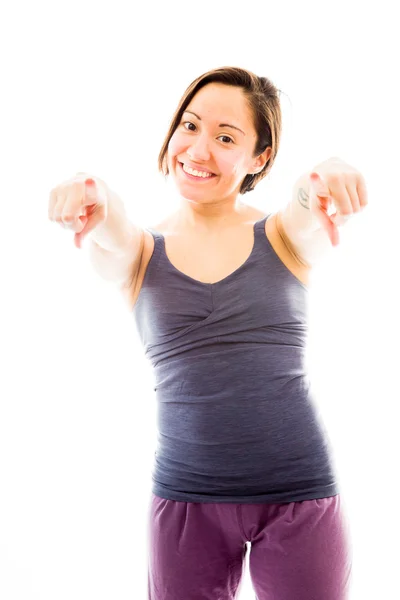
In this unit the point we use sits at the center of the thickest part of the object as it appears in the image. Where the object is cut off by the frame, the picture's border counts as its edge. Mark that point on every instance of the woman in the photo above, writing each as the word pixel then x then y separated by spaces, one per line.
pixel 219 294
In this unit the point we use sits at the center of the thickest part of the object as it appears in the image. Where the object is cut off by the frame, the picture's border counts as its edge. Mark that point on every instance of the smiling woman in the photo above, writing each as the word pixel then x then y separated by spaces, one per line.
pixel 220 304
pixel 220 301
pixel 224 154
pixel 247 107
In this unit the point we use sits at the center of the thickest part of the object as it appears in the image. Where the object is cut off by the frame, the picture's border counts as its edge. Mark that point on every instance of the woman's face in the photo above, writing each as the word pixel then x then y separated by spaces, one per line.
pixel 215 140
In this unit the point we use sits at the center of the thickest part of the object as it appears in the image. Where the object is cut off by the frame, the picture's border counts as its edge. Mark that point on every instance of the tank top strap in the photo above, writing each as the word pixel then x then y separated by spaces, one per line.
pixel 159 246
pixel 158 237
pixel 259 230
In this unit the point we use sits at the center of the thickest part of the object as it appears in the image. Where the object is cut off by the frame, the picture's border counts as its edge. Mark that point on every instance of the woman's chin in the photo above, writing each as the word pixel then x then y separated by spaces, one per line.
pixel 190 191
pixel 192 195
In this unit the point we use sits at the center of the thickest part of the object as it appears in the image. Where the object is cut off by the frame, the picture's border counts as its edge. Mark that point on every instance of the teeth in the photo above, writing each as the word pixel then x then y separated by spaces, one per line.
pixel 196 173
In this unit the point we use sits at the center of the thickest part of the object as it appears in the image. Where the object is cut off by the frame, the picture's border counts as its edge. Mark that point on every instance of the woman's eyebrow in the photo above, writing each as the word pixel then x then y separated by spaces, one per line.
pixel 220 125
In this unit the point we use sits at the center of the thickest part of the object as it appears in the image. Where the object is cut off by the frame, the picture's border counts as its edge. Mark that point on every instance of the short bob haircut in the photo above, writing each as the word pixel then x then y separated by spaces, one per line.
pixel 264 102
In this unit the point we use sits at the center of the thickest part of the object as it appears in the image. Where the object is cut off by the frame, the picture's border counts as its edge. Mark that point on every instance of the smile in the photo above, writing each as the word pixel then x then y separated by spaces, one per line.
pixel 194 174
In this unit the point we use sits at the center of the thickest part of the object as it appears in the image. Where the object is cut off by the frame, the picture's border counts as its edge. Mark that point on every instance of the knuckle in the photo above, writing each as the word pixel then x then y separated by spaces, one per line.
pixel 78 190
pixel 68 218
pixel 53 196
pixel 334 178
pixel 346 211
pixel 361 181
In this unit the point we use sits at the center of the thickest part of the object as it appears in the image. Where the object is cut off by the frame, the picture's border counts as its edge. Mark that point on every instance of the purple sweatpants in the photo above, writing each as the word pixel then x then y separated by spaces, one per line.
pixel 298 550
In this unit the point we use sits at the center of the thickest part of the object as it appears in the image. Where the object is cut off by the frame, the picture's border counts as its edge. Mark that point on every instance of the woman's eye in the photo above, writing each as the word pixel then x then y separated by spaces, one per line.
pixel 189 126
pixel 229 140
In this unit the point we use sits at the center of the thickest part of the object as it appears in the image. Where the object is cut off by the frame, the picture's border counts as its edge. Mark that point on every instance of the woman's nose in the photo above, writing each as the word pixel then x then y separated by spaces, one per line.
pixel 199 149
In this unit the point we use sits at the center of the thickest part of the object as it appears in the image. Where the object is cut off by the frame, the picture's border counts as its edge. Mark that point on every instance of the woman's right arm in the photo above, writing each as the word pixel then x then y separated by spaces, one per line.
pixel 116 246
pixel 86 205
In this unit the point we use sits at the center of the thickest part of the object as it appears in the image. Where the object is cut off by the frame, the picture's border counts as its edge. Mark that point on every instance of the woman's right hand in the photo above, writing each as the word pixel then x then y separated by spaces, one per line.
pixel 79 204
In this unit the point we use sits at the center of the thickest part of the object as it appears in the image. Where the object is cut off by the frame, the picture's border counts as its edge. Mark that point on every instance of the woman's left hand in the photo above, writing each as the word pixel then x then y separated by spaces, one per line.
pixel 337 191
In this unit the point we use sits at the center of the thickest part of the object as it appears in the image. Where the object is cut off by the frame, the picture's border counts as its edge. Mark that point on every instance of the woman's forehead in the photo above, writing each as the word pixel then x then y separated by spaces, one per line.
pixel 218 101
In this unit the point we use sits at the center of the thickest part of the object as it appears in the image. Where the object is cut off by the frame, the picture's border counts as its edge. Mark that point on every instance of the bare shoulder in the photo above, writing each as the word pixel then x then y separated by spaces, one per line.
pixel 285 251
pixel 131 291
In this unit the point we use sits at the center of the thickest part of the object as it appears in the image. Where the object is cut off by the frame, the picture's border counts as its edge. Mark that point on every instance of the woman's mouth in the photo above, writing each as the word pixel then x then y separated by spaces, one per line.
pixel 195 175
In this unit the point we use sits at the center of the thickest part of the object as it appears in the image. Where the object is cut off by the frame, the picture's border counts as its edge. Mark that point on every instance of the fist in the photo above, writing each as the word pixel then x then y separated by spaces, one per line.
pixel 337 191
pixel 79 204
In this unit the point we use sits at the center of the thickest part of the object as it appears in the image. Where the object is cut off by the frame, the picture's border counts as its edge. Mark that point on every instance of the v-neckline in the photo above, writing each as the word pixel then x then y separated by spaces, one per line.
pixel 227 277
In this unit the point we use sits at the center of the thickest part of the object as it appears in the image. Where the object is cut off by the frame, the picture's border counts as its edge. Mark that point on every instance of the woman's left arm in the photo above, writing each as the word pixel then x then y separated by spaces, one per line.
pixel 323 200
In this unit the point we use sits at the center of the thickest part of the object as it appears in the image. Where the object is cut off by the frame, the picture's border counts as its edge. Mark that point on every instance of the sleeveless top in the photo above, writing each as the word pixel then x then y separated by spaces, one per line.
pixel 237 421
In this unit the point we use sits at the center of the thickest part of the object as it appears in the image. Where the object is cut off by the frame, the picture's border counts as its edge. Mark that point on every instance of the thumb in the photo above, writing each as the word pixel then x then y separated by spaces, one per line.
pixel 90 192
pixel 319 193
pixel 93 215
pixel 321 205
pixel 89 224
pixel 319 186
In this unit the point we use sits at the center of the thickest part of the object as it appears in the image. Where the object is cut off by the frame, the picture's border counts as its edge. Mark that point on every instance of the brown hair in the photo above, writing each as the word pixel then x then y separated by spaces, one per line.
pixel 263 99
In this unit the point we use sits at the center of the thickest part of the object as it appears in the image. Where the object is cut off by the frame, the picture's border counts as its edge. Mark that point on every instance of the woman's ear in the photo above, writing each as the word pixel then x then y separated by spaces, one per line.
pixel 261 161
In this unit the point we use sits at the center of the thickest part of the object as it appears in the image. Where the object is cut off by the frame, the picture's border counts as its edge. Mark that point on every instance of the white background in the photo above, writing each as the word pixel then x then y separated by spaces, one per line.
pixel 91 86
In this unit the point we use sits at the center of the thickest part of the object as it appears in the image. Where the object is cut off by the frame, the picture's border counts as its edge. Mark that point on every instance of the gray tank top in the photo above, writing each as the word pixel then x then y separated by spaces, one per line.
pixel 237 421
